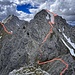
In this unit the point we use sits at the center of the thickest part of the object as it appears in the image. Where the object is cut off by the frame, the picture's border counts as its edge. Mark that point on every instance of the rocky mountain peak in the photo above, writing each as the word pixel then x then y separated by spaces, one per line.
pixel 41 14
pixel 45 34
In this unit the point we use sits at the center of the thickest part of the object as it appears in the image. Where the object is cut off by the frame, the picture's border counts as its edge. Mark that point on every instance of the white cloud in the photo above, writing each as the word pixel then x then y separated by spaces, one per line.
pixel 9 7
pixel 43 6
pixel 65 8
pixel 24 16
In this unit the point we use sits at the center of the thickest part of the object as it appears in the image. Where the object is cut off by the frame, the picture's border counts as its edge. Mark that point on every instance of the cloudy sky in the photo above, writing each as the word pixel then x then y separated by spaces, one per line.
pixel 26 9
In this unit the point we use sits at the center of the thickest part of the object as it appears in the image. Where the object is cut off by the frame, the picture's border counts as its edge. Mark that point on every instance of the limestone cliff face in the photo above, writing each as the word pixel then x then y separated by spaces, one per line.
pixel 22 47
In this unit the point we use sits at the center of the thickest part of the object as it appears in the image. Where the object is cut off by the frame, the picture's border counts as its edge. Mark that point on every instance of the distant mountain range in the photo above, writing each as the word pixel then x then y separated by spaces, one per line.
pixel 21 49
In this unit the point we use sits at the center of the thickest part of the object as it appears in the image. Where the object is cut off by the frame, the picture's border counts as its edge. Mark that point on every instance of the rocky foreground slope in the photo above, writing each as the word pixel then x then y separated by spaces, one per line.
pixel 19 52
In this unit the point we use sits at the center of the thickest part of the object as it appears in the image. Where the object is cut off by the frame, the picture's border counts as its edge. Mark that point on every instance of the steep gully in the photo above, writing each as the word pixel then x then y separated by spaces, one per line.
pixel 51 23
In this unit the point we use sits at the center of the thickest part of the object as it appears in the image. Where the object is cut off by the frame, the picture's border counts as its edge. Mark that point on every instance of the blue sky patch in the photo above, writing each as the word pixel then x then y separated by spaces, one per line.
pixel 25 8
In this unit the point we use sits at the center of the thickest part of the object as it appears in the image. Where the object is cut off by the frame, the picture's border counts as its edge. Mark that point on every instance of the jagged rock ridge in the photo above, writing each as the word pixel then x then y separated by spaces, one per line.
pixel 21 48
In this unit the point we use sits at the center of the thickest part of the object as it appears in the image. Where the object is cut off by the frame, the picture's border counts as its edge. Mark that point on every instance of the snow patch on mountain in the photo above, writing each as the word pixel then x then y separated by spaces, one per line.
pixel 47 17
pixel 59 30
pixel 69 41
pixel 0 37
pixel 70 49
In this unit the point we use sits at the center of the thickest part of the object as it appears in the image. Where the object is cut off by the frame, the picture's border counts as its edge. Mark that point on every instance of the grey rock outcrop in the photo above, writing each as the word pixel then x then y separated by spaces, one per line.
pixel 22 47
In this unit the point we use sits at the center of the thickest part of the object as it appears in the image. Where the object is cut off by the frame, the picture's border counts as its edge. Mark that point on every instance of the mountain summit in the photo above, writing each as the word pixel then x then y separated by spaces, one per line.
pixel 47 36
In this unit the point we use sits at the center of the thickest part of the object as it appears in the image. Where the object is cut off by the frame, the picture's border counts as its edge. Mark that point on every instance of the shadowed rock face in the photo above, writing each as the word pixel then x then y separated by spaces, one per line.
pixel 22 47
